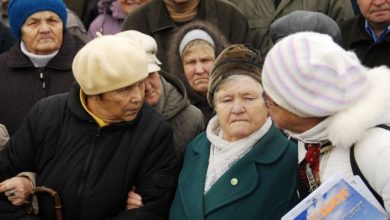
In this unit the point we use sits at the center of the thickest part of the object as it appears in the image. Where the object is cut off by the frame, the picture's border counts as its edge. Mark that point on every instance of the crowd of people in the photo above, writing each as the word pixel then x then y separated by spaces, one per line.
pixel 189 109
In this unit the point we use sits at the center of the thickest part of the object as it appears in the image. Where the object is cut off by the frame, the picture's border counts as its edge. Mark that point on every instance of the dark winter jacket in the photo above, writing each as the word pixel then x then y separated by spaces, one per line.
pixel 153 19
pixel 7 38
pixel 22 84
pixel 356 38
pixel 93 168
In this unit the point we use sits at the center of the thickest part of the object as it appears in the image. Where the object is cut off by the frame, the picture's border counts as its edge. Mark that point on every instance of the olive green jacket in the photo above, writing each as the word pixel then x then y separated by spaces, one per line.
pixel 262 13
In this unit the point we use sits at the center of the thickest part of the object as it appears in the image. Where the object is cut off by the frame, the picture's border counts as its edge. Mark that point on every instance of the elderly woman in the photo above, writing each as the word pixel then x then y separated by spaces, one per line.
pixel 40 64
pixel 95 142
pixel 191 58
pixel 242 165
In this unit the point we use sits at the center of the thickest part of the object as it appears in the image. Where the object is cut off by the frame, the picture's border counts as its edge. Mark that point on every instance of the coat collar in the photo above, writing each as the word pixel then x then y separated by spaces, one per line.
pixel 62 61
pixel 371 109
pixel 164 21
pixel 192 179
pixel 76 108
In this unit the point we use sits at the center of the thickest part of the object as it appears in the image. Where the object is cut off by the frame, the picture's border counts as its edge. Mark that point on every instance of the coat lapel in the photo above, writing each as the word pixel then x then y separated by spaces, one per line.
pixel 244 177
pixel 192 180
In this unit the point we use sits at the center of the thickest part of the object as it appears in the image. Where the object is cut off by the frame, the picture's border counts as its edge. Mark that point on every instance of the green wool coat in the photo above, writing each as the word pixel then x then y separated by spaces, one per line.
pixel 261 185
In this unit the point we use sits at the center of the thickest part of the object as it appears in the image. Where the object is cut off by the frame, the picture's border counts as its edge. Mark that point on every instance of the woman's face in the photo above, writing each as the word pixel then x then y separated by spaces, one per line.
pixel 197 64
pixel 42 33
pixel 121 104
pixel 240 108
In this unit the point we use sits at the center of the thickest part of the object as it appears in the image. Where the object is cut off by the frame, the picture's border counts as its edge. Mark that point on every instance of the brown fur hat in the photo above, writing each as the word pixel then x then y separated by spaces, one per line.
pixel 234 60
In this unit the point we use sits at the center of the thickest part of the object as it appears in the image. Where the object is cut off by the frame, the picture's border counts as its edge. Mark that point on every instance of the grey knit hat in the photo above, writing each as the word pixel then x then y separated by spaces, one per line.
pixel 234 60
pixel 298 21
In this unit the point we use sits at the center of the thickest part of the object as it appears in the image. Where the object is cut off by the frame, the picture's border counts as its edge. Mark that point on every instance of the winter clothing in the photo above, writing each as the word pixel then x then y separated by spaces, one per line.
pixel 4 136
pixel 153 18
pixel 298 21
pixel 356 38
pixel 175 64
pixel 260 185
pixel 185 119
pixel 148 44
pixel 317 70
pixel 109 20
pixel 353 123
pixel 20 10
pixel 108 63
pixel 7 38
pixel 75 26
pixel 22 85
pixel 262 13
pixel 93 168
pixel 234 60
pixel 197 34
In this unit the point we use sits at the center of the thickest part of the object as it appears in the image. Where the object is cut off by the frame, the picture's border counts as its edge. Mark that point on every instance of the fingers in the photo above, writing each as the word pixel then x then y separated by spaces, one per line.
pixel 133 203
pixel 16 189
pixel 134 200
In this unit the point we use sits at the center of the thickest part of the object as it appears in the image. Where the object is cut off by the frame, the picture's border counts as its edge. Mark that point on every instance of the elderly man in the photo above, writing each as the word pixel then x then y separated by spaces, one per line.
pixel 323 97
pixel 368 34
pixel 167 95
pixel 38 66
pixel 94 143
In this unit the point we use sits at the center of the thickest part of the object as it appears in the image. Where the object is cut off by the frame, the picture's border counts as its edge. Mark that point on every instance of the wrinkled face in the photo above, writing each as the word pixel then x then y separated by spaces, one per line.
pixel 153 88
pixel 240 108
pixel 377 12
pixel 129 5
pixel 120 105
pixel 42 33
pixel 197 64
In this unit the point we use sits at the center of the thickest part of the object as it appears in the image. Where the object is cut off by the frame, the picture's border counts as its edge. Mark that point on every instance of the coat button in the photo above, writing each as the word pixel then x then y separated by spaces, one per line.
pixel 234 181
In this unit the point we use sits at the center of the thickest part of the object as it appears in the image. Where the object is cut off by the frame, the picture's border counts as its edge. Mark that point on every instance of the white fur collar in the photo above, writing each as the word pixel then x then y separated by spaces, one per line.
pixel 373 108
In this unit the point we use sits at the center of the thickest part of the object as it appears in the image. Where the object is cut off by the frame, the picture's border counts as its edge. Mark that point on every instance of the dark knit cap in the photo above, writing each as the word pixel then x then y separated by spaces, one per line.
pixel 299 21
pixel 20 10
pixel 234 60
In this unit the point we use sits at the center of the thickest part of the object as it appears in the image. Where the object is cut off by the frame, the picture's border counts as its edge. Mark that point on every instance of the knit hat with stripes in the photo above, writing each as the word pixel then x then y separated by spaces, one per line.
pixel 309 75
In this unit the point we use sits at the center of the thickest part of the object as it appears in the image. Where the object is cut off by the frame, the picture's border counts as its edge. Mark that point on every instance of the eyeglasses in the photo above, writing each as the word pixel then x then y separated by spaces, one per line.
pixel 268 101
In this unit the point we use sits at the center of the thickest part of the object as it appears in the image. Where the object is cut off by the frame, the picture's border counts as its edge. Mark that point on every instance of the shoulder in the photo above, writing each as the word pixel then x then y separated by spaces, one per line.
pixel 198 143
pixel 152 117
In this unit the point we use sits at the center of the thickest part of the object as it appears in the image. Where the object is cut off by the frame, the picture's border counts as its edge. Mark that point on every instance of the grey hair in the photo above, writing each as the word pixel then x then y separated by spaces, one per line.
pixel 230 79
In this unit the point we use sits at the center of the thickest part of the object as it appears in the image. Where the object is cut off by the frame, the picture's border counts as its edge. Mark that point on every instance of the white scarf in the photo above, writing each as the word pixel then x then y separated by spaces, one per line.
pixel 37 60
pixel 224 154
pixel 316 134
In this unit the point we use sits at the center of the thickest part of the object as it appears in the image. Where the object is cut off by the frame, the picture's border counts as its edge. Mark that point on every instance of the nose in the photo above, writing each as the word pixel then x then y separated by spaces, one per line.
pixel 199 69
pixel 44 28
pixel 136 95
pixel 238 107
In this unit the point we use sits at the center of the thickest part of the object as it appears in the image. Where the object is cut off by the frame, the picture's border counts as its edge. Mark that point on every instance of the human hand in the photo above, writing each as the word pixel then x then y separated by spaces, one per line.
pixel 134 200
pixel 16 189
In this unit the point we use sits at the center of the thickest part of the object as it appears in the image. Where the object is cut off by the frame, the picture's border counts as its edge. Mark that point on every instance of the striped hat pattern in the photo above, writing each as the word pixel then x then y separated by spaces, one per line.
pixel 309 75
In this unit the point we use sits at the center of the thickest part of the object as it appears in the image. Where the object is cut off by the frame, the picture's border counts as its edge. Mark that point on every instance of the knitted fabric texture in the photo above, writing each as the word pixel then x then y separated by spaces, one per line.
pixel 234 60
pixel 308 74
pixel 20 10
pixel 108 63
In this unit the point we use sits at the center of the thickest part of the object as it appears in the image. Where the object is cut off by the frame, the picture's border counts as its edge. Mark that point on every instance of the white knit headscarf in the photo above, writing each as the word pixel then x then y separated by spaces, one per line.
pixel 224 154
